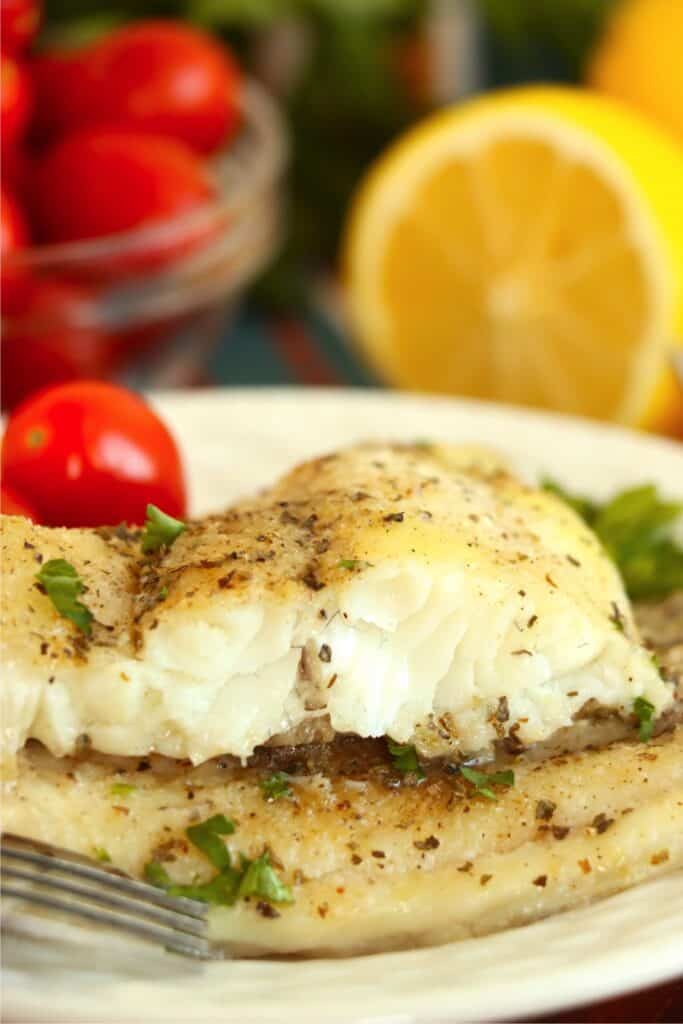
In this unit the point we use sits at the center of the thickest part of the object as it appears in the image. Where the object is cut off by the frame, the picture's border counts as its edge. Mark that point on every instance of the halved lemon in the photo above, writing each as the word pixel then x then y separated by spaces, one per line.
pixel 525 246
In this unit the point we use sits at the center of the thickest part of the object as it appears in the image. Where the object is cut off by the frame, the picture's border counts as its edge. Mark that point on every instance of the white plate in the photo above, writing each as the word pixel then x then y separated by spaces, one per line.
pixel 235 441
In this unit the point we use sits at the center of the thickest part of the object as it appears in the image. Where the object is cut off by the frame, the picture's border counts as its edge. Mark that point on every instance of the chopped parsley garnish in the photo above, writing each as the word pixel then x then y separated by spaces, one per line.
pixel 122 789
pixel 260 879
pixel 102 855
pixel 482 781
pixel 276 786
pixel 405 759
pixel 62 584
pixel 206 837
pixel 354 563
pixel 160 530
pixel 644 712
pixel 635 530
pixel 232 882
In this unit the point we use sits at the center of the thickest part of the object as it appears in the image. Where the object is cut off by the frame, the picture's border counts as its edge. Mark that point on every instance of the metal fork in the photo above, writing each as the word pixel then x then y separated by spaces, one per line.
pixel 65 882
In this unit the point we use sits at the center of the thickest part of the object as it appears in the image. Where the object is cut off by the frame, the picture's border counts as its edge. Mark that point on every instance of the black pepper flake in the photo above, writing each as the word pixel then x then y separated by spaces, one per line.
pixel 550 580
pixel 523 650
pixel 560 831
pixel 312 581
pixel 44 648
pixel 380 854
pixel 430 843
pixel 545 810
pixel 360 496
pixel 512 742
pixel 572 560
pixel 325 653
pixel 394 517
pixel 38 557
pixel 532 621
pixel 466 867
pixel 28 546
pixel 266 909
pixel 601 823
pixel 225 581
pixel 355 859
pixel 322 910
pixel 617 617
pixel 485 879
pixel 143 766
pixel 503 710
pixel 51 680
pixel 541 881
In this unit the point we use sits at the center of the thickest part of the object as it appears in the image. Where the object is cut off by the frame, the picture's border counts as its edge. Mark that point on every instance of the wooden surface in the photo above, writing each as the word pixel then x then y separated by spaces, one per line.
pixel 661 1005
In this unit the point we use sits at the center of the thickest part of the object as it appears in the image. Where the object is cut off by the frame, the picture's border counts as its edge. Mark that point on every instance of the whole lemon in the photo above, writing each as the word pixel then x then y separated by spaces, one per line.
pixel 639 59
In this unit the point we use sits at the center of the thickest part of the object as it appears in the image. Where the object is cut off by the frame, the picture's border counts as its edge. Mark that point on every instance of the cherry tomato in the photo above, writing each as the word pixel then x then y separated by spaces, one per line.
pixel 15 102
pixel 166 78
pixel 99 182
pixel 12 505
pixel 14 236
pixel 49 337
pixel 62 93
pixel 90 454
pixel 14 232
pixel 19 24
pixel 16 171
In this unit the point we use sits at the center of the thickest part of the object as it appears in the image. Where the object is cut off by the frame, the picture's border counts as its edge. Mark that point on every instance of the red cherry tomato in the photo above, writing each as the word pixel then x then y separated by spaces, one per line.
pixel 90 454
pixel 166 78
pixel 50 336
pixel 14 236
pixel 15 102
pixel 14 232
pixel 62 94
pixel 99 182
pixel 12 505
pixel 16 171
pixel 19 24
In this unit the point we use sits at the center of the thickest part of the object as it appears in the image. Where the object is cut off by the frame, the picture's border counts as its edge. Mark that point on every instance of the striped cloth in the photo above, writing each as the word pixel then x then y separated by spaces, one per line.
pixel 307 349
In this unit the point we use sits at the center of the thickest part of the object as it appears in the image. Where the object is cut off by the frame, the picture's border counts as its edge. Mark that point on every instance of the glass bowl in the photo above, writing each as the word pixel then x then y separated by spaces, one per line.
pixel 147 305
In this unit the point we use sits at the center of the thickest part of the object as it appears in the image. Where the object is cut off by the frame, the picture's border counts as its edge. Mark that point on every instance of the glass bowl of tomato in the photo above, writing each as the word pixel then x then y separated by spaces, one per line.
pixel 142 305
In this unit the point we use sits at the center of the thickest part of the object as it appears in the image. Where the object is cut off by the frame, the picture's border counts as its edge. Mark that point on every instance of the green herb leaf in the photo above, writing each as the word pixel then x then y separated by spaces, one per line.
pixel 482 781
pixel 260 879
pixel 276 786
pixel 160 530
pixel 354 563
pixel 405 759
pixel 121 789
pixel 644 712
pixel 62 584
pixel 586 509
pixel 206 837
pixel 222 889
pixel 251 878
pixel 635 530
pixel 102 855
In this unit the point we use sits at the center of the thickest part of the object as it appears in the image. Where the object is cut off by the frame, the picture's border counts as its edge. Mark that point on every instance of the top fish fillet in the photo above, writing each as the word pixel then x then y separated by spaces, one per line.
pixel 417 592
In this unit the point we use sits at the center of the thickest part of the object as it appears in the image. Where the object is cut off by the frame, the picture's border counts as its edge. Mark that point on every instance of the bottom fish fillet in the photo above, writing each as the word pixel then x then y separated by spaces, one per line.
pixel 375 863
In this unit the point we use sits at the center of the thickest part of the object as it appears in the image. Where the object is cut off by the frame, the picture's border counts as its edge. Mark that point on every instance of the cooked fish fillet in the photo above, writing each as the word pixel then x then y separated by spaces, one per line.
pixel 421 593
pixel 374 863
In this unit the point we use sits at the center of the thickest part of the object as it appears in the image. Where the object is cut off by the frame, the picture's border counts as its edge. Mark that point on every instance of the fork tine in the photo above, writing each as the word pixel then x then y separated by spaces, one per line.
pixel 188 945
pixel 54 859
pixel 182 922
